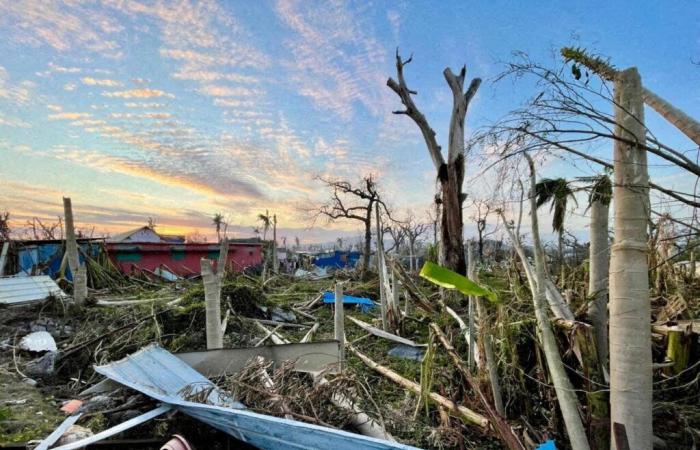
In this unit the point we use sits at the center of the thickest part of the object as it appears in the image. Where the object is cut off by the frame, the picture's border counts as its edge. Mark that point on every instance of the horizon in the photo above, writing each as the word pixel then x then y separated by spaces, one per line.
pixel 179 111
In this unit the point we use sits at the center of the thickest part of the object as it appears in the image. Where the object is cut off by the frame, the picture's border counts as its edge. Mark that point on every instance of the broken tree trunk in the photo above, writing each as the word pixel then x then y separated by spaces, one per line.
pixel 568 403
pixel 686 124
pixel 212 298
pixel 630 314
pixel 466 414
pixel 79 273
pixel 677 350
pixel 450 173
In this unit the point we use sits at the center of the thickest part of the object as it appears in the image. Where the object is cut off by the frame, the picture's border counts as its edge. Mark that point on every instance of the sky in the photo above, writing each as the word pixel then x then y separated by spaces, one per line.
pixel 178 110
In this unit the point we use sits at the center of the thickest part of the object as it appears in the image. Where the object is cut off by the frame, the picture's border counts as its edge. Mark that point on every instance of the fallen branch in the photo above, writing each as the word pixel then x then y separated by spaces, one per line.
pixel 466 414
pixel 499 423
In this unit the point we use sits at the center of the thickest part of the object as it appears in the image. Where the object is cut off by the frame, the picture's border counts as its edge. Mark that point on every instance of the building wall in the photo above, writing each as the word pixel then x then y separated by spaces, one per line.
pixel 182 259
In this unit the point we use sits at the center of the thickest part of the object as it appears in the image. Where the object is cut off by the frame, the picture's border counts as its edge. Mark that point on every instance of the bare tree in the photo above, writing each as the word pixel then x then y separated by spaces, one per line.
pixel 398 236
pixel 482 210
pixel 413 230
pixel 353 203
pixel 450 173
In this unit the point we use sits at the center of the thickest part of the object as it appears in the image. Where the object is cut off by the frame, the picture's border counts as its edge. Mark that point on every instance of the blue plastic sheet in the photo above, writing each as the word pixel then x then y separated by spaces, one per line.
pixel 547 445
pixel 365 304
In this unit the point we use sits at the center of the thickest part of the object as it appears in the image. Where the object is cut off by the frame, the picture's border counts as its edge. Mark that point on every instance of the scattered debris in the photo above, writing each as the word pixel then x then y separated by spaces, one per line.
pixel 71 406
pixel 43 366
pixel 38 342
pixel 177 442
pixel 407 352
pixel 23 290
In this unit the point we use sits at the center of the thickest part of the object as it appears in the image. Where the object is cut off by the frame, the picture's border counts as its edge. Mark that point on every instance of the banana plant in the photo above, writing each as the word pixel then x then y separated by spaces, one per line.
pixel 448 279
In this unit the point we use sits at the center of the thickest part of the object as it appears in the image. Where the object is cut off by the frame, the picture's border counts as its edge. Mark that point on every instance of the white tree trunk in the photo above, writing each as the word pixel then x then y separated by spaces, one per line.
pixel 79 273
pixel 212 298
pixel 686 124
pixel 223 259
pixel 568 403
pixel 380 255
pixel 598 278
pixel 630 334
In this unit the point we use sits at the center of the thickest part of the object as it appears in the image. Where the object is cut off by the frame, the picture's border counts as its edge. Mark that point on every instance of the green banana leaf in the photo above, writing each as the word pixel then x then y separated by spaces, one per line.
pixel 451 280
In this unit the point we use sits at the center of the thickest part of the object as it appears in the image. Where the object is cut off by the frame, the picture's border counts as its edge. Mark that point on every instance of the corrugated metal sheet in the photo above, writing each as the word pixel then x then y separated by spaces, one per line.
pixel 18 290
pixel 162 376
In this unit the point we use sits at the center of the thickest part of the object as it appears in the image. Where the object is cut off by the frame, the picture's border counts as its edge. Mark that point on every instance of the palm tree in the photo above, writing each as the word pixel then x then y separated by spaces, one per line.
pixel 217 221
pixel 266 222
pixel 556 191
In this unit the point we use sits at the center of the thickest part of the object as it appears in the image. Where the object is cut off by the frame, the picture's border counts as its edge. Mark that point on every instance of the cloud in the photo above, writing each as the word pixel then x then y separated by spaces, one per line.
pixel 231 103
pixel 69 116
pixel 139 93
pixel 226 91
pixel 206 76
pixel 17 93
pixel 336 61
pixel 100 82
pixel 12 122
pixel 144 105
pixel 60 26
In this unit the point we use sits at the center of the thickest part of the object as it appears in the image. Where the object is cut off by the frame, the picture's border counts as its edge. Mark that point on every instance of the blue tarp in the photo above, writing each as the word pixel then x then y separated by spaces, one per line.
pixel 365 303
pixel 339 259
pixel 547 445
pixel 45 258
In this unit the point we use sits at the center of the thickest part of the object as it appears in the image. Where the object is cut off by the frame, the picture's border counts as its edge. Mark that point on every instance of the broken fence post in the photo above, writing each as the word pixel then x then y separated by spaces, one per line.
pixel 340 322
